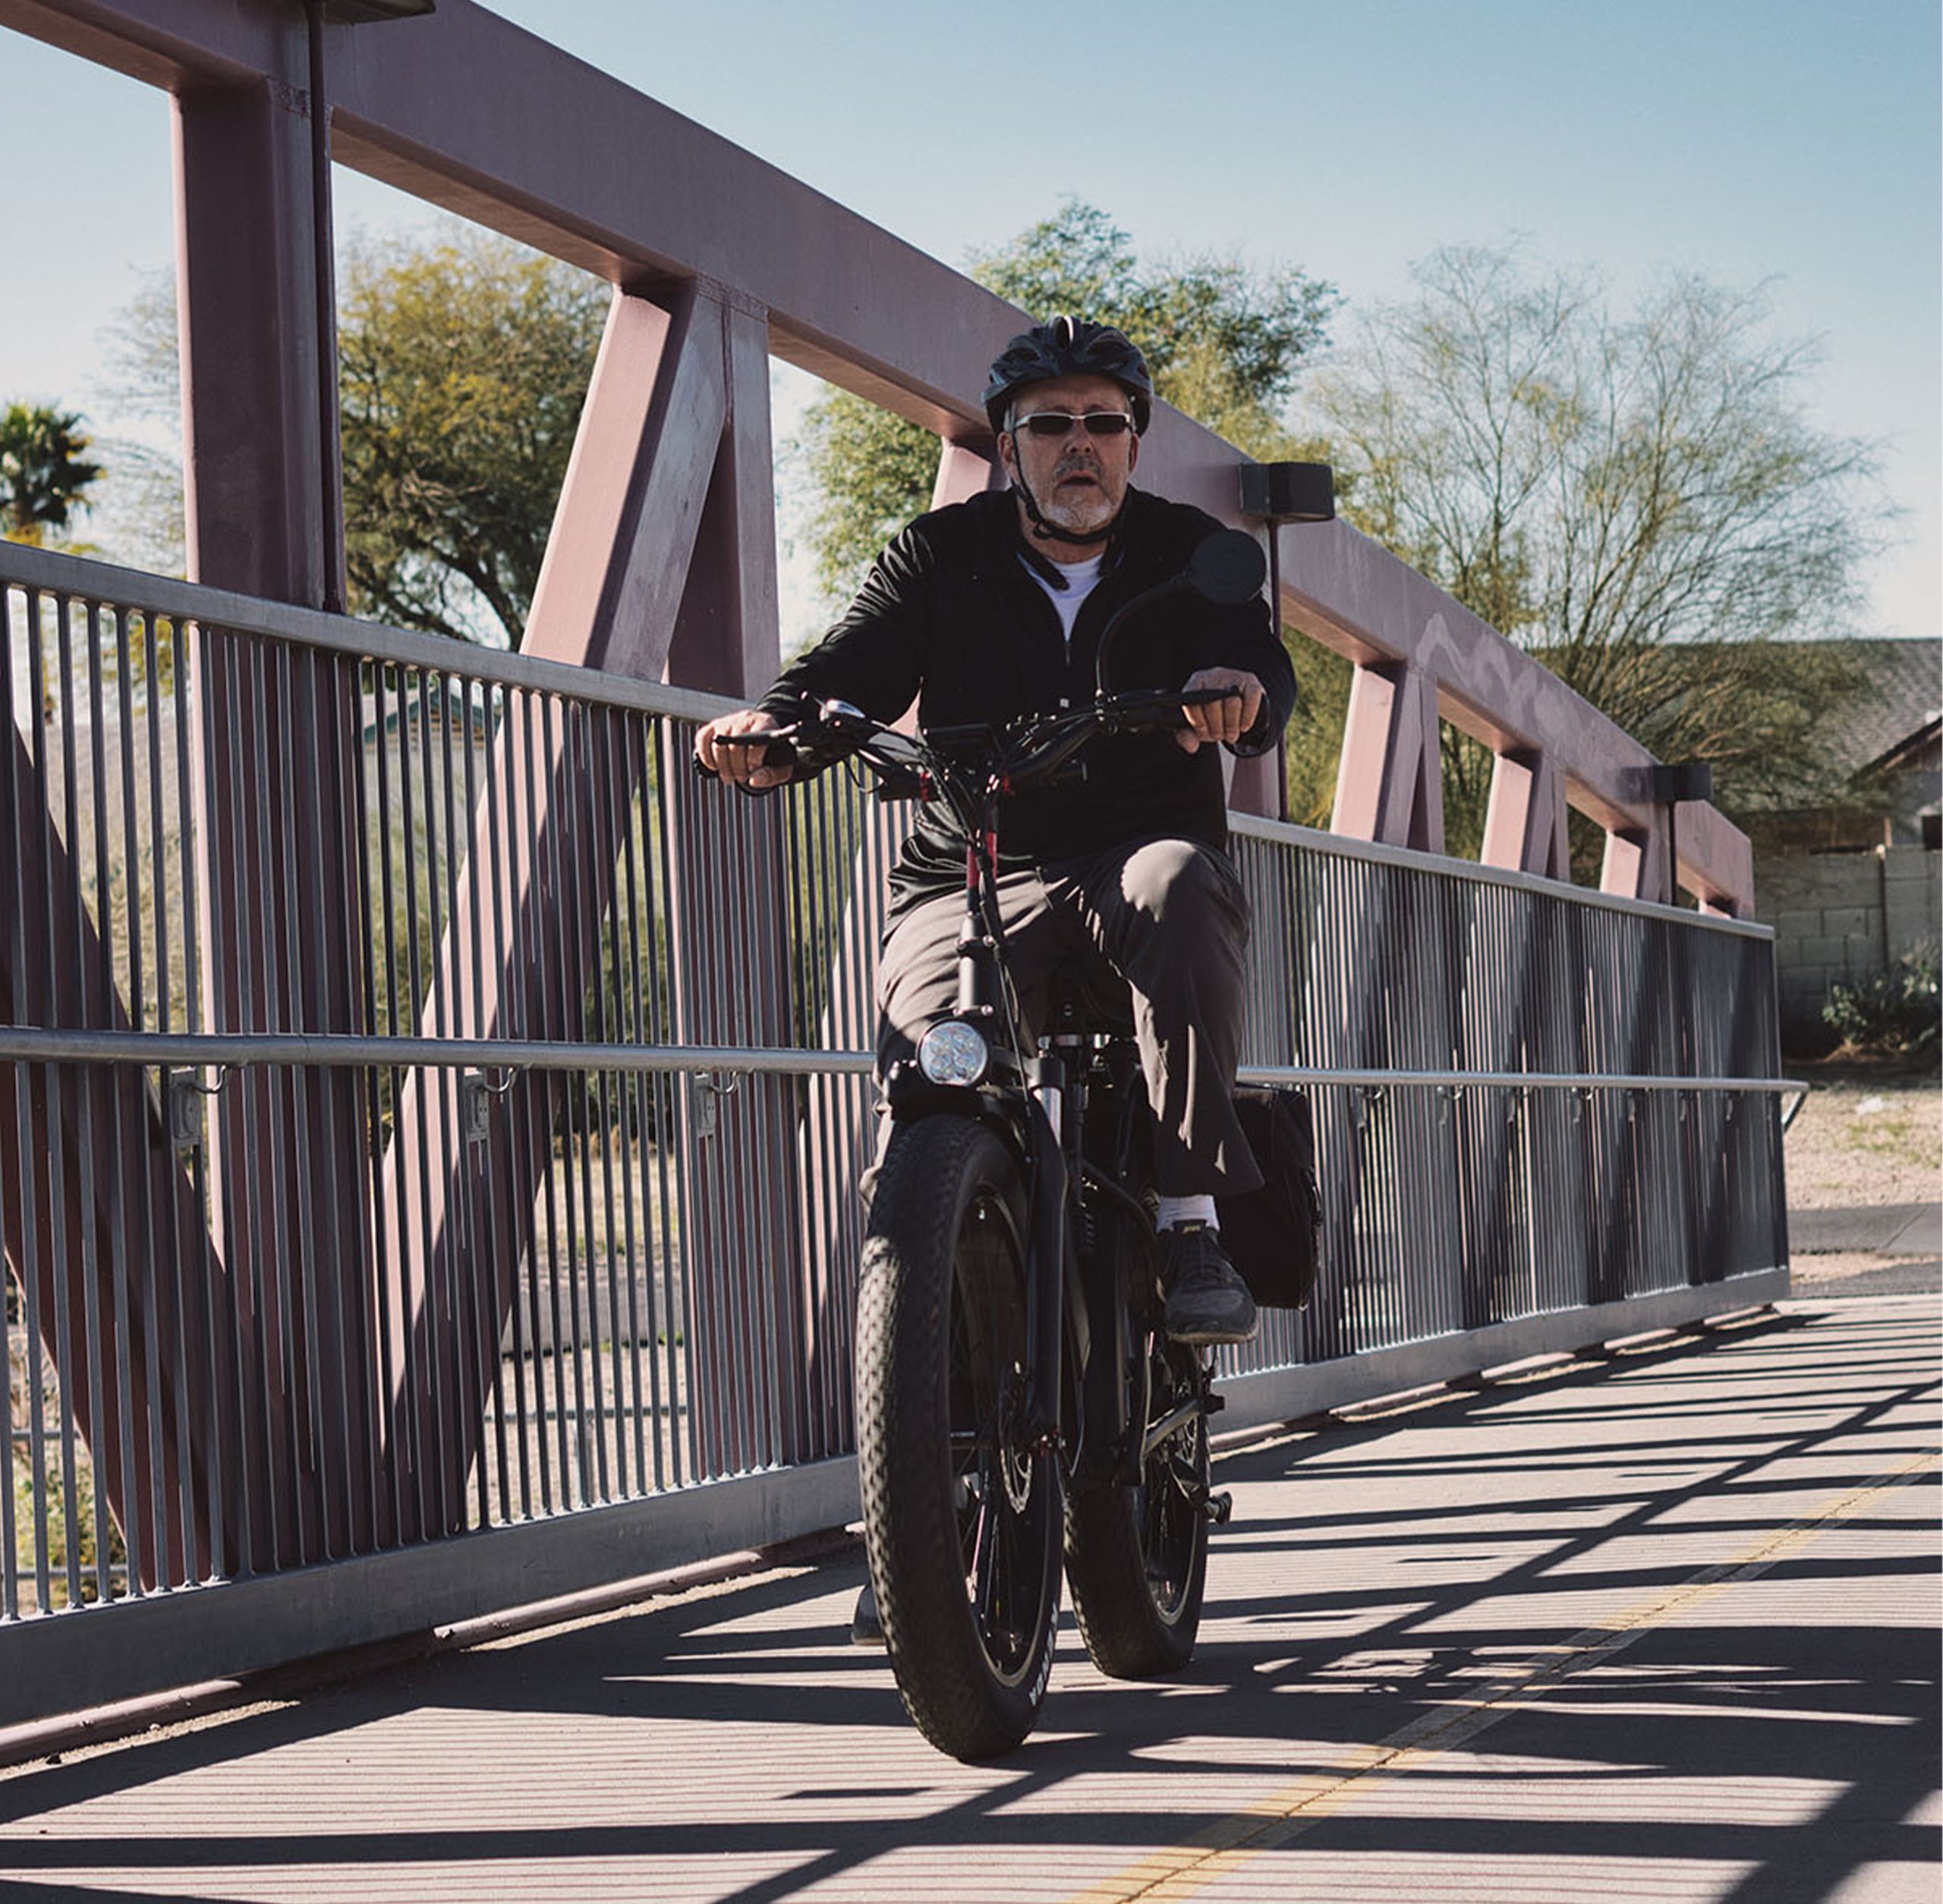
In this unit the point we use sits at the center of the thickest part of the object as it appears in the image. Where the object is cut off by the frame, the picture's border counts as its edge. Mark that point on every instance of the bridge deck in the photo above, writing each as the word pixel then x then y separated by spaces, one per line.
pixel 1663 1625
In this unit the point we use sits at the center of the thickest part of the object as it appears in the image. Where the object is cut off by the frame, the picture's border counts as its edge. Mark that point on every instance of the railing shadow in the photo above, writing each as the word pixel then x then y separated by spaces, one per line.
pixel 1770 1759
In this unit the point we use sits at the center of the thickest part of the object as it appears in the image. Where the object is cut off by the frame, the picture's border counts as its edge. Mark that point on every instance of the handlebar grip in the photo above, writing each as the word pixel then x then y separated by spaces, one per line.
pixel 782 753
pixel 1158 709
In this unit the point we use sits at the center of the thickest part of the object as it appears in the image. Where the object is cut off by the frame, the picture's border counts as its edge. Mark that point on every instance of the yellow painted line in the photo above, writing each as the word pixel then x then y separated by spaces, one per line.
pixel 1179 1871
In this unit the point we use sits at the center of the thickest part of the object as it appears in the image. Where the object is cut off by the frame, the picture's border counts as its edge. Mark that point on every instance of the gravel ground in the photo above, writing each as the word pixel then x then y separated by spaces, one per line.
pixel 1865 1146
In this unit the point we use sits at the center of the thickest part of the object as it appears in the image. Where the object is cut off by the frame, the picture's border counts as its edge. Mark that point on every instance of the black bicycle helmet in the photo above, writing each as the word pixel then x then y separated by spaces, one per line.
pixel 1069 347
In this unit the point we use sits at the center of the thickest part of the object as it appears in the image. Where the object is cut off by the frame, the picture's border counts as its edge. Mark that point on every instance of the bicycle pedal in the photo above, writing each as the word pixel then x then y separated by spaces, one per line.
pixel 1219 1508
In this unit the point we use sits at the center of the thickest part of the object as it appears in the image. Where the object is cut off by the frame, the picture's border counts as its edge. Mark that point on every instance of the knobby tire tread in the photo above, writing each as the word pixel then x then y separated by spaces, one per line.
pixel 1130 1635
pixel 932 1175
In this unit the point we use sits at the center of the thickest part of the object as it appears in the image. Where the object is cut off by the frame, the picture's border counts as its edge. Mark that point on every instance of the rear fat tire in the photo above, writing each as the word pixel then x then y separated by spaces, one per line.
pixel 1136 1556
pixel 962 1523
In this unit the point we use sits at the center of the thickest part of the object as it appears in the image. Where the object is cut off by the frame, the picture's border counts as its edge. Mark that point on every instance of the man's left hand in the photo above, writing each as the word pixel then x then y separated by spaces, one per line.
pixel 1225 720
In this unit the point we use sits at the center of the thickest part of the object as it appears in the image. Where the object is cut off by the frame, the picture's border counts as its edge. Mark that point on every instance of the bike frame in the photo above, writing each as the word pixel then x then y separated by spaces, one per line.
pixel 1035 1094
pixel 1033 1097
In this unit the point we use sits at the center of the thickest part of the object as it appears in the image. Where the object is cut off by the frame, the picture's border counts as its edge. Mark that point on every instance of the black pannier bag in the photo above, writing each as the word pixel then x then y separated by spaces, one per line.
pixel 1273 1234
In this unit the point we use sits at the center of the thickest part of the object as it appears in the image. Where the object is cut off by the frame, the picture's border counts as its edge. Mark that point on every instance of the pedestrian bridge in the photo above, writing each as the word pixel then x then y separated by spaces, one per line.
pixel 429 1119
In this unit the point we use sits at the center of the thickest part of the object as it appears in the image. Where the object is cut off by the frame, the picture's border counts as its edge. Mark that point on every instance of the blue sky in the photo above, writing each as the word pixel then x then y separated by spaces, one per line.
pixel 1751 140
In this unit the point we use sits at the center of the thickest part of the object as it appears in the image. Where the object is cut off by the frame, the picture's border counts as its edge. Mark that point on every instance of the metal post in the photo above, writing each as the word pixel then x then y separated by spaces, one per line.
pixel 330 452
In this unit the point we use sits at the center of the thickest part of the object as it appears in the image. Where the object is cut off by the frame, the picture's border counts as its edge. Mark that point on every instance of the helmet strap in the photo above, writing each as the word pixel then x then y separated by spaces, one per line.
pixel 1048 533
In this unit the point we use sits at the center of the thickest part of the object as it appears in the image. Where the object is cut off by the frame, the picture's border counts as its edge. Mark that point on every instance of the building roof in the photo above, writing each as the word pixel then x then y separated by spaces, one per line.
pixel 1903 696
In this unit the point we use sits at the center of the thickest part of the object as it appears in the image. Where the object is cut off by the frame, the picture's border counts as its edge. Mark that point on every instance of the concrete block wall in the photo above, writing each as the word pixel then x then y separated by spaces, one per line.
pixel 1843 917
pixel 1912 898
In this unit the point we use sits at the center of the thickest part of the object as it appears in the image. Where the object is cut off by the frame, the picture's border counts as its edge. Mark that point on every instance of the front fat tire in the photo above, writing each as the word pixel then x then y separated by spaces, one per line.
pixel 962 1527
pixel 1137 1556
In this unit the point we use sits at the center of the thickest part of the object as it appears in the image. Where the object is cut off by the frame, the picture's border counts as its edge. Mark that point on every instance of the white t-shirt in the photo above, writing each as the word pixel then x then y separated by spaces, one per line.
pixel 1080 577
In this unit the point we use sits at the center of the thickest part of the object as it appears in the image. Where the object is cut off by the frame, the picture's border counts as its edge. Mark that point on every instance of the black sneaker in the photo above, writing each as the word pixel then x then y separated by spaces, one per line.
pixel 1207 1299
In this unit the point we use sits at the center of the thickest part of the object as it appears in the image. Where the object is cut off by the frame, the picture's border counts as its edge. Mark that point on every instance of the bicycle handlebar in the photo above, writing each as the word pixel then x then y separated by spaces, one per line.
pixel 1027 751
pixel 1024 752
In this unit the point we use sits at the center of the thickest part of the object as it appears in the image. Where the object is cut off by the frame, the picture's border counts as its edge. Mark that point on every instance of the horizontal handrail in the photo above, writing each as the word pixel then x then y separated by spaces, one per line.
pixel 32 1046
pixel 185 1050
pixel 55 572
pixel 1513 1080
pixel 1376 853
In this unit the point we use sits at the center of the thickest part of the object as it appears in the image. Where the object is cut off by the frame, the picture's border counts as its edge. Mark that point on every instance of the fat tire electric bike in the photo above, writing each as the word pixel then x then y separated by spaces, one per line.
pixel 1022 1413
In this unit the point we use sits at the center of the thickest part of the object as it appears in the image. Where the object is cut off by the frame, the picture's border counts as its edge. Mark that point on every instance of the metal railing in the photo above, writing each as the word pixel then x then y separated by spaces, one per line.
pixel 1530 1098
pixel 425 1111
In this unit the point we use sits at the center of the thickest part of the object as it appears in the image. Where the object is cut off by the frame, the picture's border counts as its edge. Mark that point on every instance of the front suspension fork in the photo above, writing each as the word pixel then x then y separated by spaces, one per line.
pixel 1050 1246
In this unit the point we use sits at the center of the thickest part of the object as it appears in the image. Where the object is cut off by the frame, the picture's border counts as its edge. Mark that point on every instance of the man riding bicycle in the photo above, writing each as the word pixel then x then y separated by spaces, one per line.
pixel 993 608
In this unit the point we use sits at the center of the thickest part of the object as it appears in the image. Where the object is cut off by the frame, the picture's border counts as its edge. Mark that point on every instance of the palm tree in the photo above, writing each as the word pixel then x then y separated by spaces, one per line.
pixel 42 470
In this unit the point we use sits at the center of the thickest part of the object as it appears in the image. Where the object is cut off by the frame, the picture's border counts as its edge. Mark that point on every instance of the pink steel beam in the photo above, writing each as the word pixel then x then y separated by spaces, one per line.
pixel 244 262
pixel 1525 824
pixel 89 1226
pixel 1357 598
pixel 488 146
pixel 664 538
pixel 673 447
pixel 466 110
pixel 1387 785
pixel 276 803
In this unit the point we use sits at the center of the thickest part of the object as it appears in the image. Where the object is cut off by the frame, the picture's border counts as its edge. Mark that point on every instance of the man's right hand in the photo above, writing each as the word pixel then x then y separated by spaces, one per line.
pixel 747 765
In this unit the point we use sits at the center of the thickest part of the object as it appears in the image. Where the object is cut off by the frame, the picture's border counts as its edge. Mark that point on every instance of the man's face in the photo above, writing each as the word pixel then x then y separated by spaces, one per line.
pixel 1079 480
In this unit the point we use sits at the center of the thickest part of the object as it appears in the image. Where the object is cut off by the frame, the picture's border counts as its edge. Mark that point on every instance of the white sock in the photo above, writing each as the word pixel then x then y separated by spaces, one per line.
pixel 1176 1210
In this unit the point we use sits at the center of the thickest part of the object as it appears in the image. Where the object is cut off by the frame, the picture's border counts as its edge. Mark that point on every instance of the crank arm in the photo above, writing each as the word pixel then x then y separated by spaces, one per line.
pixel 1170 1424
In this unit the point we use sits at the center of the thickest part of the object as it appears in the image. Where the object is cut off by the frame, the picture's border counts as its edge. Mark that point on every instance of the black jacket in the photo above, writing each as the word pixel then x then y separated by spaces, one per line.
pixel 950 616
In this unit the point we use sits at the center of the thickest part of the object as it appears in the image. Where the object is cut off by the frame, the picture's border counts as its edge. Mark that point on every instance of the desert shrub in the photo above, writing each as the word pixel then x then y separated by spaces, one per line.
pixel 1894 1013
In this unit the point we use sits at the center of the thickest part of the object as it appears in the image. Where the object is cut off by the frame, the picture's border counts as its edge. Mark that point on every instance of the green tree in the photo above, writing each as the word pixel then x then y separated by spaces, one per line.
pixel 1313 745
pixel 44 470
pixel 871 472
pixel 1226 345
pixel 464 363
pixel 463 366
pixel 1636 497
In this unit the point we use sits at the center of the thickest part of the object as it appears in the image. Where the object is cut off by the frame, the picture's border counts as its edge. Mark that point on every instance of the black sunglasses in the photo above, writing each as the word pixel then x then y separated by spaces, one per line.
pixel 1056 422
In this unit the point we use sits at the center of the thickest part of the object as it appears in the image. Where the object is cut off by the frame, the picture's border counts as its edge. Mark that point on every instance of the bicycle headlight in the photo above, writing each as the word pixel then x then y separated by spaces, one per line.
pixel 953 1052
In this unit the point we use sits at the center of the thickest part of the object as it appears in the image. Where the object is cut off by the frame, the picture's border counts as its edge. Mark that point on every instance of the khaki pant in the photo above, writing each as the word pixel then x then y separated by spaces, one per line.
pixel 1162 924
